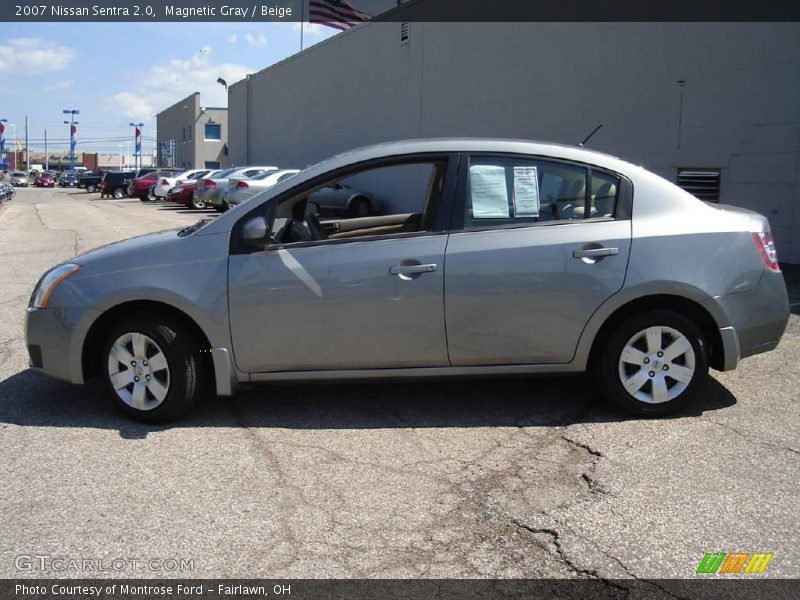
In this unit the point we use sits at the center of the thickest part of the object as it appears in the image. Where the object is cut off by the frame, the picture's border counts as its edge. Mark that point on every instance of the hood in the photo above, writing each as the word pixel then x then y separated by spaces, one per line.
pixel 144 250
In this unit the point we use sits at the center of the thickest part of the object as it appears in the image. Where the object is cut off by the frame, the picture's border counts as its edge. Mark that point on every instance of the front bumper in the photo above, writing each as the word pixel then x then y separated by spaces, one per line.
pixel 757 318
pixel 55 340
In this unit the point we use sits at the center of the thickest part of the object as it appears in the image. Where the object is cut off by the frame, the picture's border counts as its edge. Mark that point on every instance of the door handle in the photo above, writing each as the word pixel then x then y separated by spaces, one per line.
pixel 595 252
pixel 412 269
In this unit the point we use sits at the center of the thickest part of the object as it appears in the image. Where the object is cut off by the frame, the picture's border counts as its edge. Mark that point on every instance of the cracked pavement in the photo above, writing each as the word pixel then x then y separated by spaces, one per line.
pixel 523 478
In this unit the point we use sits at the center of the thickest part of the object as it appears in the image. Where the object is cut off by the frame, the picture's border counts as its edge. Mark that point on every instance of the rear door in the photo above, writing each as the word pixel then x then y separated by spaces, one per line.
pixel 537 246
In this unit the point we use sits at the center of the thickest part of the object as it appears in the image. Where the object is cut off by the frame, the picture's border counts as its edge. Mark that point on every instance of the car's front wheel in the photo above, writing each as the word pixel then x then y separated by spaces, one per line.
pixel 118 193
pixel 90 189
pixel 653 363
pixel 153 368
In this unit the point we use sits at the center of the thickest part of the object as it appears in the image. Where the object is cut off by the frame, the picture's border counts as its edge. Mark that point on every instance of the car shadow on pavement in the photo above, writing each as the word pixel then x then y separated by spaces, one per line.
pixel 28 399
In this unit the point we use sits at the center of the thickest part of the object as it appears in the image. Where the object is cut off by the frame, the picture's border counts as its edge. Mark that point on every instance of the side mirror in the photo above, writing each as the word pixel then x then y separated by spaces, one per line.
pixel 255 232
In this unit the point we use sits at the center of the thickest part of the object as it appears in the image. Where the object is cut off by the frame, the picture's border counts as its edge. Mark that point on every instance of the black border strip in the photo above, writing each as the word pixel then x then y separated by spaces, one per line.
pixel 701 587
pixel 151 11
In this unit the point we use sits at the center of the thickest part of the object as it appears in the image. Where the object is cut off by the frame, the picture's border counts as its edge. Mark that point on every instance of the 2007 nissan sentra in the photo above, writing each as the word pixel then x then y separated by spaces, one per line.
pixel 488 257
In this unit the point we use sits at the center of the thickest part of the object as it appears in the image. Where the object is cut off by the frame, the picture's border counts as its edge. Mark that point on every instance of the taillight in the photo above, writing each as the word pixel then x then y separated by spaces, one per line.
pixel 209 184
pixel 766 249
pixel 242 185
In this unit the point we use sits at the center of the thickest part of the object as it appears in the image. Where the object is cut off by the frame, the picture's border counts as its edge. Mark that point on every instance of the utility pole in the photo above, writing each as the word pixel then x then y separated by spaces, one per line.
pixel 46 159
pixel 27 150
pixel 72 131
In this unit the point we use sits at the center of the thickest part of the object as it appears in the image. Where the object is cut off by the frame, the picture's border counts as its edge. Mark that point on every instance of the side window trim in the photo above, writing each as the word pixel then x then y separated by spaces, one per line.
pixel 441 222
pixel 622 211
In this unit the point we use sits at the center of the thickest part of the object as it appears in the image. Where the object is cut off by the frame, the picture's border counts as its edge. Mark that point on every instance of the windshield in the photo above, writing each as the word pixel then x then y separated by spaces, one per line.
pixel 225 173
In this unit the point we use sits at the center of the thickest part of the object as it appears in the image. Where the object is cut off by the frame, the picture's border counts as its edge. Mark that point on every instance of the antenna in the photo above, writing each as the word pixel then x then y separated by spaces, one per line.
pixel 588 137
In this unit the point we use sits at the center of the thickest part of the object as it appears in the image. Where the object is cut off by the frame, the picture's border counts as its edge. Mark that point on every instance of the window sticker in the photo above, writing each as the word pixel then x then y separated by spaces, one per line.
pixel 488 192
pixel 526 192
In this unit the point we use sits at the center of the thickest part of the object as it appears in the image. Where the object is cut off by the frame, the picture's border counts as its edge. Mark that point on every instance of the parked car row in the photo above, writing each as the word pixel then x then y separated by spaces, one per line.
pixel 7 191
pixel 222 189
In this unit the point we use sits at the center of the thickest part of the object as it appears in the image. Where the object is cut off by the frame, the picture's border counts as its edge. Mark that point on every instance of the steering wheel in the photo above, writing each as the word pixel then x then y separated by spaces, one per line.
pixel 313 224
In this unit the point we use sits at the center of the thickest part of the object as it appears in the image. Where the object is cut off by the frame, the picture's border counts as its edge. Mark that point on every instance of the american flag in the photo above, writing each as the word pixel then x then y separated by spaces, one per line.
pixel 339 14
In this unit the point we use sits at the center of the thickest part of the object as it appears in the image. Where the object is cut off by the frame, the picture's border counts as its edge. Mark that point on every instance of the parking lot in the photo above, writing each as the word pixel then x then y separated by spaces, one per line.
pixel 499 478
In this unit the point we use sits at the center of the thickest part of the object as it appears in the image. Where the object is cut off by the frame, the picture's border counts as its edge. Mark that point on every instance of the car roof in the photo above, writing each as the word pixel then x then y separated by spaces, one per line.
pixel 408 147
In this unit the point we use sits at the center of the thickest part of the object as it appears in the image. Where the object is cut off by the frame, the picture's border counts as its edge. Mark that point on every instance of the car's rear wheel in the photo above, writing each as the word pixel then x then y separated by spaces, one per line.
pixel 91 189
pixel 222 207
pixel 653 363
pixel 359 207
pixel 118 193
pixel 196 204
pixel 152 368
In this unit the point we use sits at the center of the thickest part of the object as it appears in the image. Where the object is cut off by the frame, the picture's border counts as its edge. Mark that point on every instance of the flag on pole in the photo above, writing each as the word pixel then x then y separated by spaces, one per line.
pixel 138 146
pixel 339 14
pixel 2 139
pixel 73 141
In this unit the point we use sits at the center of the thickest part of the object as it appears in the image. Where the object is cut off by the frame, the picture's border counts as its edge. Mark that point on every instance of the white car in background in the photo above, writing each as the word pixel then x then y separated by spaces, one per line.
pixel 165 184
pixel 241 189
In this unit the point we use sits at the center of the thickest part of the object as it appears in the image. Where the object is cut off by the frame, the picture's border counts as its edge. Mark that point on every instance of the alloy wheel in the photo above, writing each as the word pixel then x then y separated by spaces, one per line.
pixel 657 364
pixel 138 371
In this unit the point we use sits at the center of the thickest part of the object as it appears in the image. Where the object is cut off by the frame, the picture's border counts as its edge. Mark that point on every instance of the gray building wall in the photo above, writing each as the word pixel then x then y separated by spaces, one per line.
pixel 738 109
pixel 184 123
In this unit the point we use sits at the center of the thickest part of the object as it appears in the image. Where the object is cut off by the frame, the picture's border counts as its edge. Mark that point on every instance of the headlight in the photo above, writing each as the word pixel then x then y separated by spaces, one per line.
pixel 48 284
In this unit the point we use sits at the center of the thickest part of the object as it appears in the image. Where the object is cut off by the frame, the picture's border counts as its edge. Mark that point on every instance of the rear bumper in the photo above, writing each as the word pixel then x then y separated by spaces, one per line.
pixel 757 318
pixel 211 197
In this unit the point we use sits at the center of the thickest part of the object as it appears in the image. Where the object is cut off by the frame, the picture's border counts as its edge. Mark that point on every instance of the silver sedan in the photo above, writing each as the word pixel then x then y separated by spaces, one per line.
pixel 210 190
pixel 19 179
pixel 489 257
pixel 240 189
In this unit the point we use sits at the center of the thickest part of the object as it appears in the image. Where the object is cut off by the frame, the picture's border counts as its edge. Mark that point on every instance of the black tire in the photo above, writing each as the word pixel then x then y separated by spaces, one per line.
pixel 608 363
pixel 222 208
pixel 196 204
pixel 118 193
pixel 90 189
pixel 359 207
pixel 187 369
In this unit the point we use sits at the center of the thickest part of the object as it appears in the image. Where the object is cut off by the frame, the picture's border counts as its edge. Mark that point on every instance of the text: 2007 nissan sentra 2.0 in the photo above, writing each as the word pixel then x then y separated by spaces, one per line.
pixel 487 257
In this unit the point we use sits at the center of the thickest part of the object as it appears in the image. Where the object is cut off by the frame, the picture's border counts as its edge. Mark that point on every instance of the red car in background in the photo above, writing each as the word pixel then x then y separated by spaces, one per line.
pixel 142 187
pixel 183 193
pixel 45 179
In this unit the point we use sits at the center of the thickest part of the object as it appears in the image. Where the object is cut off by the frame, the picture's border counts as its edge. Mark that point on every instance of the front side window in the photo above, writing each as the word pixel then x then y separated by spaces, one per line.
pixel 383 201
pixel 517 191
pixel 213 131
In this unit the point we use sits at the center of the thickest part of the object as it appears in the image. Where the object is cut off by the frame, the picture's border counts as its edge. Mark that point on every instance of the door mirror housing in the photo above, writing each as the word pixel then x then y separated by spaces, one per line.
pixel 255 232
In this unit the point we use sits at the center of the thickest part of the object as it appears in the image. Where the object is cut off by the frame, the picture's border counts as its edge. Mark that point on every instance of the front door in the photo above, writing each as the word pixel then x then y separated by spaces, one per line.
pixel 358 294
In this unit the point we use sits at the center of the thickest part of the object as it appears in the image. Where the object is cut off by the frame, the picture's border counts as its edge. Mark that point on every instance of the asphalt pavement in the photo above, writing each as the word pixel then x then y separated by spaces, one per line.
pixel 501 478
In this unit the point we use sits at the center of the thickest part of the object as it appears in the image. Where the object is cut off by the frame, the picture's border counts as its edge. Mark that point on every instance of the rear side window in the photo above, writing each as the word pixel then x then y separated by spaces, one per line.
pixel 511 191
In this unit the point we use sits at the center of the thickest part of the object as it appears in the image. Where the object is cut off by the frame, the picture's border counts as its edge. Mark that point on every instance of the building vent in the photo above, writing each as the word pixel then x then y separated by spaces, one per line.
pixel 701 183
pixel 404 32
